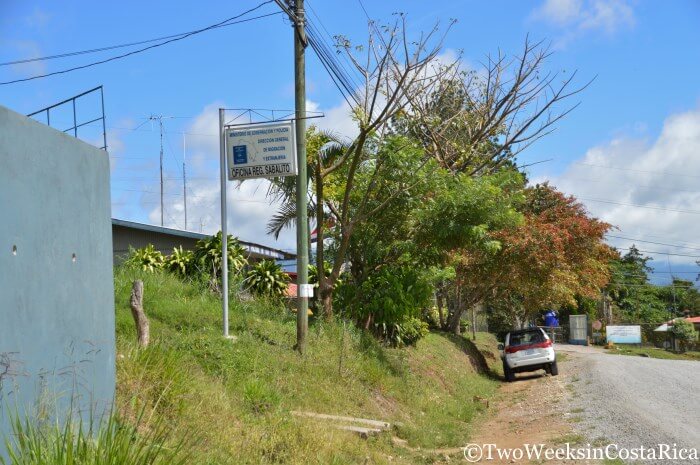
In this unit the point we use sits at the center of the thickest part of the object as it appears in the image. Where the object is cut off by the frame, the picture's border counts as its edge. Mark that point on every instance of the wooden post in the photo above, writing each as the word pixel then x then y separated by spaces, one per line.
pixel 142 328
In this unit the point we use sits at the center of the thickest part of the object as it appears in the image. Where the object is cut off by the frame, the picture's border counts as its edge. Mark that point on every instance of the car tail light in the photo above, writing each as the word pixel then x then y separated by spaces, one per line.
pixel 538 345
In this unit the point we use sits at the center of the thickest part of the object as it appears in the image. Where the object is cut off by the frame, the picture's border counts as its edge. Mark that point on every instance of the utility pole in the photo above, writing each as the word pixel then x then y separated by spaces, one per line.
pixel 160 124
pixel 184 175
pixel 302 220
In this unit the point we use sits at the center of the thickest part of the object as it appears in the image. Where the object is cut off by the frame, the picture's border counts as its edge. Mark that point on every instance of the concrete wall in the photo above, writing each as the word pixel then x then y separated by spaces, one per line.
pixel 57 342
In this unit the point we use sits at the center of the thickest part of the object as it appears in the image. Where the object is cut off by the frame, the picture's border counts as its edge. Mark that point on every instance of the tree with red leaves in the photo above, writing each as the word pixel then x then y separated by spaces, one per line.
pixel 554 255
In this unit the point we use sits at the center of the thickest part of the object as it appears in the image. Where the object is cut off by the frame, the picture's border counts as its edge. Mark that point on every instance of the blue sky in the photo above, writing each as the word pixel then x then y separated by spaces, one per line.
pixel 631 149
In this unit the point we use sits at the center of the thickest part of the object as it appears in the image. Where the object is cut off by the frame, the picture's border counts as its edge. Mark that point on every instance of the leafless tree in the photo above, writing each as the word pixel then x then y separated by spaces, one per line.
pixel 391 66
pixel 478 120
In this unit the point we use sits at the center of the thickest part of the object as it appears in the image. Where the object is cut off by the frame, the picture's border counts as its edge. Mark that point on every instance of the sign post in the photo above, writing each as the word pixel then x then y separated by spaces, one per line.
pixel 224 237
pixel 249 151
pixel 261 151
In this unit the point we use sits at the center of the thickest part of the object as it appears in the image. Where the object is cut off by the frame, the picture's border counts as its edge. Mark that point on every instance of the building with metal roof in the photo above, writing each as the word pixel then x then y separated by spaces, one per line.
pixel 129 234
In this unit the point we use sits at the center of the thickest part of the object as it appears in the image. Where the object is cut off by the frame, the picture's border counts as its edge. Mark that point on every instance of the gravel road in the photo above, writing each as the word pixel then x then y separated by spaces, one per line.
pixel 635 401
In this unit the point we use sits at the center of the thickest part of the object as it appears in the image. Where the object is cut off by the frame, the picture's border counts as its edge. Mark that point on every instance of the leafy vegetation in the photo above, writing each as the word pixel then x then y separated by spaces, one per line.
pixel 106 442
pixel 684 331
pixel 192 378
pixel 147 258
pixel 208 257
pixel 266 278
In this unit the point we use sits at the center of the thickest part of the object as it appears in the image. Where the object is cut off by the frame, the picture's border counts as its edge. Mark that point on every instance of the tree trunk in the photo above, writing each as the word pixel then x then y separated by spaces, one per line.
pixel 440 305
pixel 142 327
pixel 453 322
pixel 325 294
pixel 474 322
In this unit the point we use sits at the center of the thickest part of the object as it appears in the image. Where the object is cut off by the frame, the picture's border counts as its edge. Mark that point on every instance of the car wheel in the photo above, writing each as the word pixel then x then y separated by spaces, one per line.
pixel 553 368
pixel 508 373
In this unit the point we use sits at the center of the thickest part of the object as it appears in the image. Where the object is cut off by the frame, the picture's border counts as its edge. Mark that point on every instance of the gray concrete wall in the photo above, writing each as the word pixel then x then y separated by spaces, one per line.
pixel 57 341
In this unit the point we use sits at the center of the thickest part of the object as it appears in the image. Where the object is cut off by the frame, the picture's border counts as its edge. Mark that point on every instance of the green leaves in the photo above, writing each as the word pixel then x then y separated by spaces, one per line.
pixel 180 262
pixel 147 259
pixel 464 212
pixel 266 278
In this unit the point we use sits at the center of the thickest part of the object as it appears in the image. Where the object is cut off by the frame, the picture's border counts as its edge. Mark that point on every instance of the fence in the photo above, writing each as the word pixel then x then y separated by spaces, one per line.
pixel 76 125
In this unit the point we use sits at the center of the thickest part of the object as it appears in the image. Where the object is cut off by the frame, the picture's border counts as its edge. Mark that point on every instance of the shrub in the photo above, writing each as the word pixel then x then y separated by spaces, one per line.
pixel 266 278
pixel 685 332
pixel 180 262
pixel 147 259
pixel 208 257
pixel 107 443
pixel 410 331
pixel 389 300
pixel 431 315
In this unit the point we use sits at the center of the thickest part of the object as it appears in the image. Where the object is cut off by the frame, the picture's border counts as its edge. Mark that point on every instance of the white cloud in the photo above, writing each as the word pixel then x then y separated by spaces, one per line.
pixel 578 17
pixel 337 119
pixel 248 207
pixel 661 177
pixel 559 12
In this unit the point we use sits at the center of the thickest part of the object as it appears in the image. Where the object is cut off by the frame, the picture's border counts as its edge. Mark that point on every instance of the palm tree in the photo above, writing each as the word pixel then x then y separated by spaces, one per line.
pixel 326 152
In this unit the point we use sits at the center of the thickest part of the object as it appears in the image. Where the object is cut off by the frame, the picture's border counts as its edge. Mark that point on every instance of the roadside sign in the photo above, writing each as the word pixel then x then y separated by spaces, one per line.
pixel 624 334
pixel 261 151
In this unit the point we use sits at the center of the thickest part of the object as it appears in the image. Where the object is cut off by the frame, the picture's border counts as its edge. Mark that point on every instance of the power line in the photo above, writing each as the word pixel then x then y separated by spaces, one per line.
pixel 189 34
pixel 636 170
pixel 668 253
pixel 651 207
pixel 345 58
pixel 131 44
pixel 656 243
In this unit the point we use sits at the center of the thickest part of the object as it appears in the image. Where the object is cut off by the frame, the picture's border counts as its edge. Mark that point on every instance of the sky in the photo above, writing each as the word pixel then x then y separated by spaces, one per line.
pixel 630 151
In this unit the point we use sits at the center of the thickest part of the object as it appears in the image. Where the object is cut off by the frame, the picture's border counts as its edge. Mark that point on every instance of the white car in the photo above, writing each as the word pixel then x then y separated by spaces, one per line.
pixel 528 350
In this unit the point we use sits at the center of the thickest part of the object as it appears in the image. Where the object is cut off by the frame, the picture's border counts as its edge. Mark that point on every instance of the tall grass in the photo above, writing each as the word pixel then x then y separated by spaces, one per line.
pixel 239 394
pixel 106 442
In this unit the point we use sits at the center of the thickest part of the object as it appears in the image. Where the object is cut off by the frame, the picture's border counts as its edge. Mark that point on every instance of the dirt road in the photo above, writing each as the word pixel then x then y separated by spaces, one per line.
pixel 635 401
pixel 598 399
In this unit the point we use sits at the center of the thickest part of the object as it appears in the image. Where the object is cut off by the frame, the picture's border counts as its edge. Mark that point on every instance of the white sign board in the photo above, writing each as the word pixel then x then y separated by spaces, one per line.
pixel 261 151
pixel 624 334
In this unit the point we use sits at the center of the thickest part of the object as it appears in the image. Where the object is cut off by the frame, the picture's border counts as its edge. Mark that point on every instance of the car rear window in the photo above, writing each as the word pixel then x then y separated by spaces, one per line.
pixel 524 338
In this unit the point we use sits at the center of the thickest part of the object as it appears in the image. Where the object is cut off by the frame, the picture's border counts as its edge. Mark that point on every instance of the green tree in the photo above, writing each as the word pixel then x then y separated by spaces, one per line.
pixel 684 331
pixel 681 297
pixel 634 298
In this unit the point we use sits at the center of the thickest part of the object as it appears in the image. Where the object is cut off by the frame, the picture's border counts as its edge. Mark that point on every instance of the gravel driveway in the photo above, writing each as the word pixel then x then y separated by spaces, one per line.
pixel 635 401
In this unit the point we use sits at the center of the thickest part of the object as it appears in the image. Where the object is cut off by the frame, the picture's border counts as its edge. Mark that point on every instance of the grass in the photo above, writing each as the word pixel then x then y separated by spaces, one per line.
pixel 654 352
pixel 106 442
pixel 238 396
pixel 571 438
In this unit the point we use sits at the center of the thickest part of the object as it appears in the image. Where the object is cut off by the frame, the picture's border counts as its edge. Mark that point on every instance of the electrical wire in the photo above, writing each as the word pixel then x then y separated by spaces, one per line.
pixel 655 243
pixel 133 52
pixel 131 44
pixel 651 207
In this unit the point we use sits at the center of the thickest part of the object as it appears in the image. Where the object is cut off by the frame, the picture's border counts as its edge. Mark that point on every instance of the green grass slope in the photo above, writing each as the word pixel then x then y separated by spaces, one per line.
pixel 231 400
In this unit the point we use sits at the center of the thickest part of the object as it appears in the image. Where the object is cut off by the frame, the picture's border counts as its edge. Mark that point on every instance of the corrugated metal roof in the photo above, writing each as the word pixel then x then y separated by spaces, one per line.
pixel 250 246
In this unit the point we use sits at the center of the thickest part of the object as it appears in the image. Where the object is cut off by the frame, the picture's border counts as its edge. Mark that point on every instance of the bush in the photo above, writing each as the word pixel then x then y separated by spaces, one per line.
pixel 208 258
pixel 685 332
pixel 411 330
pixel 266 278
pixel 389 300
pixel 147 259
pixel 431 315
pixel 109 442
pixel 181 262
